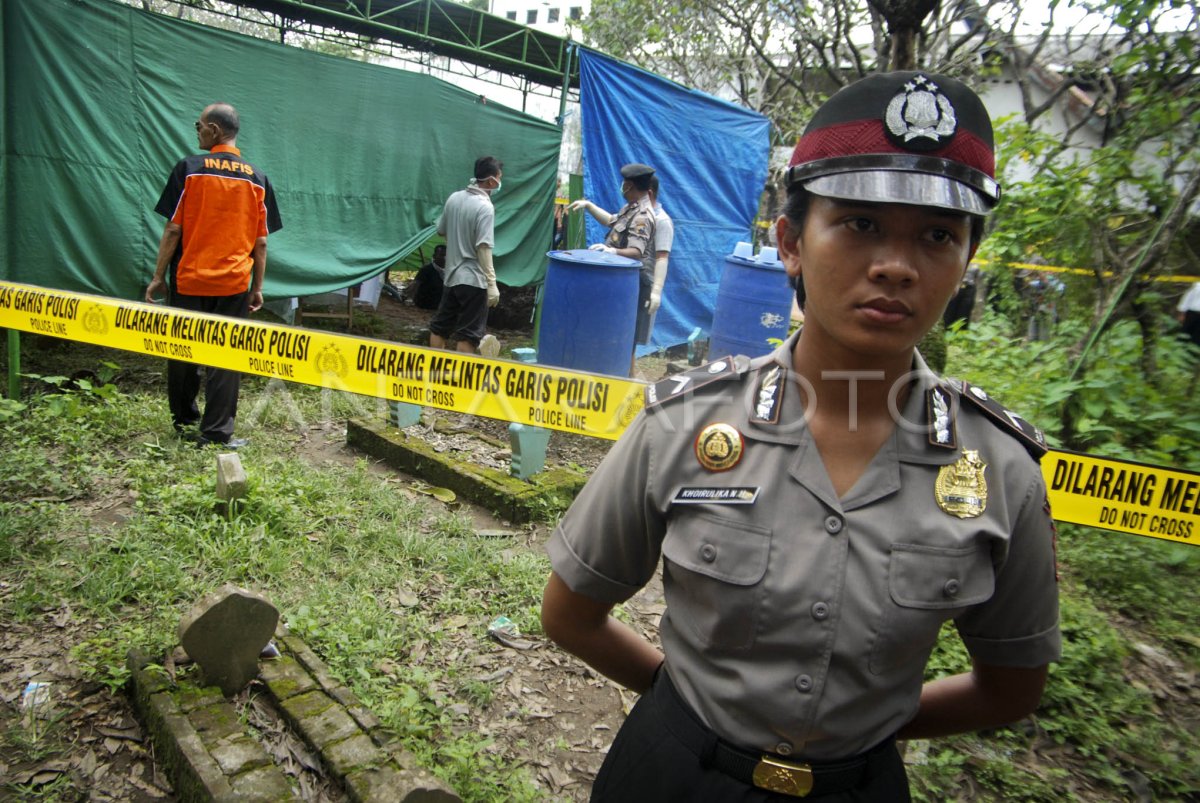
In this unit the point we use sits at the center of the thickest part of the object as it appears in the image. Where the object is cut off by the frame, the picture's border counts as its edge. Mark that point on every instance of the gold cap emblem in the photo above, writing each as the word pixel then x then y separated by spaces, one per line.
pixel 719 447
pixel 961 489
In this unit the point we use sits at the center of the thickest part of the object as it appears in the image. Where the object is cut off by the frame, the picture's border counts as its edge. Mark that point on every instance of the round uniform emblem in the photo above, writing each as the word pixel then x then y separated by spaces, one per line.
pixel 920 118
pixel 719 447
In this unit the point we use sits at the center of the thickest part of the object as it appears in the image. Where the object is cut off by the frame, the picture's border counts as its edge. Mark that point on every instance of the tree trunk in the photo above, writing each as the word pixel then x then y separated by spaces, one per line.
pixel 1145 318
pixel 904 49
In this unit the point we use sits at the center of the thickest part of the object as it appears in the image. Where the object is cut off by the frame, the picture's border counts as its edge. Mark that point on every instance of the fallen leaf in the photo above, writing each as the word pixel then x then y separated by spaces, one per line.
pixel 130 734
pixel 43 778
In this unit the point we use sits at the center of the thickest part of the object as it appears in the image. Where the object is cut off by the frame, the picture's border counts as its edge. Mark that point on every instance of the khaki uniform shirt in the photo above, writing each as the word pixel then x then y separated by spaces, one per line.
pixel 633 227
pixel 798 622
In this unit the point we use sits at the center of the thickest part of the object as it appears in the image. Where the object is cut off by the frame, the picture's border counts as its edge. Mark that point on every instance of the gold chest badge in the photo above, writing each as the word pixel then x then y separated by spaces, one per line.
pixel 961 489
pixel 719 447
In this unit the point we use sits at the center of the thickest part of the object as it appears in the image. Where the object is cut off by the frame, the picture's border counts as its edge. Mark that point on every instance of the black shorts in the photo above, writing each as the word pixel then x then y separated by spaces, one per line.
pixel 645 318
pixel 462 315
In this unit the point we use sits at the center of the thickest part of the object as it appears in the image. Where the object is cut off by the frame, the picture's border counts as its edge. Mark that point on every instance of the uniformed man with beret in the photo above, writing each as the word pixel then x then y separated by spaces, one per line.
pixel 821 511
pixel 631 234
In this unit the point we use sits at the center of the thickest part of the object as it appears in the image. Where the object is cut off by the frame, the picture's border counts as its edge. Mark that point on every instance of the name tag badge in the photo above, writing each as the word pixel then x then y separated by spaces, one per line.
pixel 715 496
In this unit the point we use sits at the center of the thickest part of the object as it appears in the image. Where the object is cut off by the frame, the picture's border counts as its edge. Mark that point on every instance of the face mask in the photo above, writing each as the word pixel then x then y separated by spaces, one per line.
pixel 496 189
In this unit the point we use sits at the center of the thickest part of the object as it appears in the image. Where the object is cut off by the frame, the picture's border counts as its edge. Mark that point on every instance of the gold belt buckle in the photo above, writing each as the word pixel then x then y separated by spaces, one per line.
pixel 783 777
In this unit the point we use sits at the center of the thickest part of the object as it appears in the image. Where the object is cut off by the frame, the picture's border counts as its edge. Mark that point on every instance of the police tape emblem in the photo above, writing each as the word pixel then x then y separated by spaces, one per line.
pixel 94 320
pixel 329 360
pixel 719 447
pixel 629 409
pixel 961 489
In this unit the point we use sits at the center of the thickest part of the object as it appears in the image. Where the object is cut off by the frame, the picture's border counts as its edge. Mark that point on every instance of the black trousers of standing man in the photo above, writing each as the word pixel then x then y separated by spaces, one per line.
pixel 220 386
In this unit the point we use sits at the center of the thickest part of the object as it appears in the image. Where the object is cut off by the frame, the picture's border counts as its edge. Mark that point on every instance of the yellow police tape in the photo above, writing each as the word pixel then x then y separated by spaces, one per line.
pixel 569 401
pixel 1123 496
pixel 1109 494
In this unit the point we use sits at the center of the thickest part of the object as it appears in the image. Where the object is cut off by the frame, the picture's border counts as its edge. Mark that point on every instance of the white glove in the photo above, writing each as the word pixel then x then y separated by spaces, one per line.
pixel 484 256
pixel 660 277
pixel 607 249
pixel 605 218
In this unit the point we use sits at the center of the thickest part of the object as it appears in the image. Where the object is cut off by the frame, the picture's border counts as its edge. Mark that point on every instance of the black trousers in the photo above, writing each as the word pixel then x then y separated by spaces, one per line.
pixel 220 386
pixel 649 761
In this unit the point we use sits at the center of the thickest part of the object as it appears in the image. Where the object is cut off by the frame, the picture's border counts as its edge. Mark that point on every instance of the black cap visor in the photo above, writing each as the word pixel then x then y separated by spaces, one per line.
pixel 900 179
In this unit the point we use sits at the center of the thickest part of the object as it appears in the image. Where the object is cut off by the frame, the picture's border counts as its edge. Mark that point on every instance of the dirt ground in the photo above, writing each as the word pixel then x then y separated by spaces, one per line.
pixel 549 711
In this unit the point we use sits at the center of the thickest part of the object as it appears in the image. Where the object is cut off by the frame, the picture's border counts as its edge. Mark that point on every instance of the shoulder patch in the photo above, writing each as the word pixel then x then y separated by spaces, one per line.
pixel 679 385
pixel 1030 436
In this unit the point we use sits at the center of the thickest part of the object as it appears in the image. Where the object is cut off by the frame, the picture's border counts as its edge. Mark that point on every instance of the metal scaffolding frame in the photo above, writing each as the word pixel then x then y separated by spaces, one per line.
pixel 434 36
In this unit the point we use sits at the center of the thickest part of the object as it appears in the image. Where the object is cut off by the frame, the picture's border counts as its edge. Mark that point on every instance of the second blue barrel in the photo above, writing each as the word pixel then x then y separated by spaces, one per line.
pixel 589 311
pixel 754 307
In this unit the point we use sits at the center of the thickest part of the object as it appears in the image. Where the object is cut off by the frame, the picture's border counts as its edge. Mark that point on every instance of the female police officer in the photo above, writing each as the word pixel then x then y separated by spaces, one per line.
pixel 821 511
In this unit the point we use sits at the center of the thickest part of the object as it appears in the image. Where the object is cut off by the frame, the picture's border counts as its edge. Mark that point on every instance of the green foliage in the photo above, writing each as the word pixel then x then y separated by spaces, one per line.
pixel 1117 413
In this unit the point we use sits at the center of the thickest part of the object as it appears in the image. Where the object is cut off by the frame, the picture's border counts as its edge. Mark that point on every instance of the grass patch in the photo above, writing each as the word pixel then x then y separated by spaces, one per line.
pixel 342 552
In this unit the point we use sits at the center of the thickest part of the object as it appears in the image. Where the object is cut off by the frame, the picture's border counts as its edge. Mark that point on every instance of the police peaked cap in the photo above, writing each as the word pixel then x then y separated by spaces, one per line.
pixel 901 137
pixel 638 174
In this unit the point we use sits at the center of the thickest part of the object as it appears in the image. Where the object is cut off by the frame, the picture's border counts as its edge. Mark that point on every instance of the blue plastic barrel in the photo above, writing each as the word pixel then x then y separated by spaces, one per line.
pixel 754 306
pixel 589 311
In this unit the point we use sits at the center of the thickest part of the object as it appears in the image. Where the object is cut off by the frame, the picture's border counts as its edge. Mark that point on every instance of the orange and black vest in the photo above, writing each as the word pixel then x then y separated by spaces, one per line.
pixel 223 204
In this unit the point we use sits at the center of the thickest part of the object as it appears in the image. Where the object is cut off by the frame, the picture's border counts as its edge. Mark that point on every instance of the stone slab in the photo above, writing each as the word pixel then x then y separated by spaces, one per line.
pixel 235 756
pixel 262 785
pixel 203 747
pixel 541 497
pixel 286 677
pixel 225 633
pixel 352 754
pixel 231 477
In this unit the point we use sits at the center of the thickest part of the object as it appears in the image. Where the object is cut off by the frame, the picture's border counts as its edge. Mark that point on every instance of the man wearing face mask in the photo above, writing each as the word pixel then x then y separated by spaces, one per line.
pixel 631 234
pixel 468 223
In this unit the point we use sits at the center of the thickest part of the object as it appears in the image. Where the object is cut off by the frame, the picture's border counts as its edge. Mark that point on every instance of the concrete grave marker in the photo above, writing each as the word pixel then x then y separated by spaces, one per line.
pixel 225 633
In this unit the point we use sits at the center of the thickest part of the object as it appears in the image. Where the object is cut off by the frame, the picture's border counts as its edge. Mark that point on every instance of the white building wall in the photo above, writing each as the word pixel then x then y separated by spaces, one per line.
pixel 558 17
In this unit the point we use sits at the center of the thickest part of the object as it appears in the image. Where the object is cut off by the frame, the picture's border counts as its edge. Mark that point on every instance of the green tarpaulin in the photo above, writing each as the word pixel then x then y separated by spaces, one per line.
pixel 99 101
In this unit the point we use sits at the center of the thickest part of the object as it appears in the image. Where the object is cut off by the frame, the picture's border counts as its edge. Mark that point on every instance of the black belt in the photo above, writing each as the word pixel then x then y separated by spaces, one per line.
pixel 768 771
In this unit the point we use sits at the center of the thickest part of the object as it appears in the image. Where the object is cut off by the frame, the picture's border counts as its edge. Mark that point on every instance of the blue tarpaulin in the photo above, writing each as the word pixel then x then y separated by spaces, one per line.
pixel 711 161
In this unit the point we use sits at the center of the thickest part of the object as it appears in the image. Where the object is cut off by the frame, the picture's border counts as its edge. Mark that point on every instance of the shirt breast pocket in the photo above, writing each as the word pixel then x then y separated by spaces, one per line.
pixel 714 568
pixel 926 587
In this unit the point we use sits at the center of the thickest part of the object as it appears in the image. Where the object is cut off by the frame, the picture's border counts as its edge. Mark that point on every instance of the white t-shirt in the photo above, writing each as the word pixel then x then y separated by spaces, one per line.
pixel 664 229
pixel 1191 299
pixel 467 222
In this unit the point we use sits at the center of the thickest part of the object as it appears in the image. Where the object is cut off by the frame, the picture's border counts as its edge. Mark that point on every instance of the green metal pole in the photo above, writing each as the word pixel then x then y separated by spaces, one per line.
pixel 14 364
pixel 574 191
pixel 566 89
